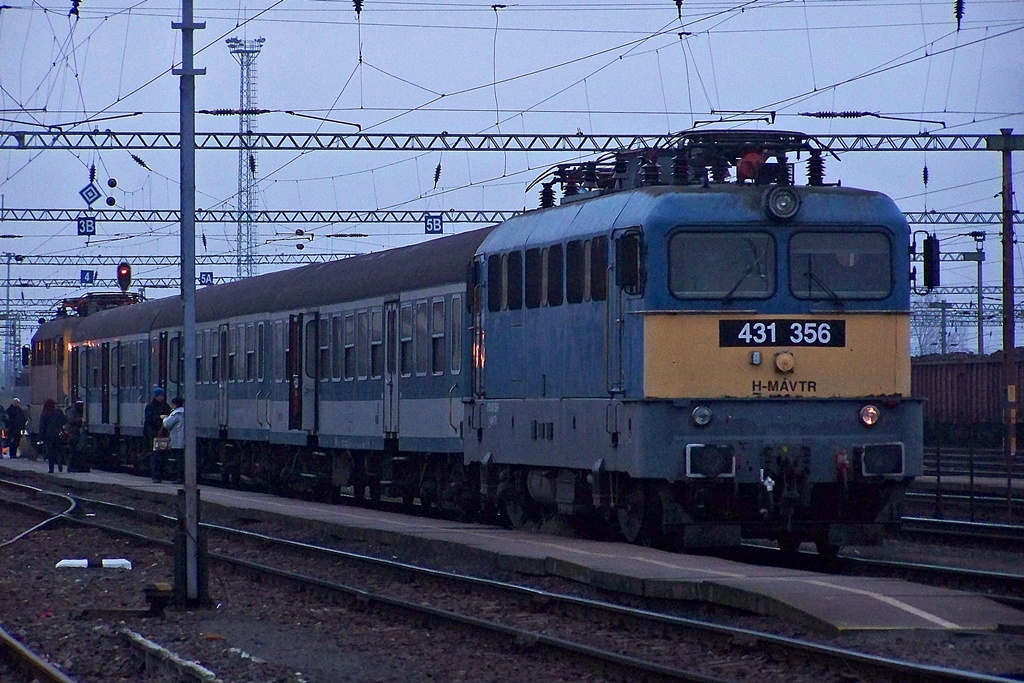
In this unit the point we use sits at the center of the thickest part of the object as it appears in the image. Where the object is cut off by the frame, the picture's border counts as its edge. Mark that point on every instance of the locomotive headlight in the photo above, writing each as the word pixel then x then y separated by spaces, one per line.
pixel 869 415
pixel 701 416
pixel 782 202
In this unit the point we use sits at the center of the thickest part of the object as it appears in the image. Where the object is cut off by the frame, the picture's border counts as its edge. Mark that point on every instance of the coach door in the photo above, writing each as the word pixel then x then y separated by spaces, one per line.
pixel 105 383
pixel 293 371
pixel 391 372
pixel 222 372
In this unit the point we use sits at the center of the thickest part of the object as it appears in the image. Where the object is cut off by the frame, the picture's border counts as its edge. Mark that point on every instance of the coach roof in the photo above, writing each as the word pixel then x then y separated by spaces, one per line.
pixel 435 262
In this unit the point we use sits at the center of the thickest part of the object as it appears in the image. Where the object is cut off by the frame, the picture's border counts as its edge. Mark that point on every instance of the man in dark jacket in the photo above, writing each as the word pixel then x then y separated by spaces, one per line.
pixel 153 422
pixel 16 419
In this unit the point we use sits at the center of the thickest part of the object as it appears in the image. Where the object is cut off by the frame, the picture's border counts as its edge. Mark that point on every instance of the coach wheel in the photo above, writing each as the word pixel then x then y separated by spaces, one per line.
pixel 789 544
pixel 826 550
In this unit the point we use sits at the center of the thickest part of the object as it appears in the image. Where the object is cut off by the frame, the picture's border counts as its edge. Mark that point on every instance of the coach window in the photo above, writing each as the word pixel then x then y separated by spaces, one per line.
pixel 310 348
pixel 136 352
pixel 350 346
pixel 574 272
pixel 116 362
pixel 599 268
pixel 456 326
pixel 534 280
pixel 363 345
pixel 437 336
pixel 494 281
pixel 277 351
pixel 261 351
pixel 173 353
pixel 555 275
pixel 337 346
pixel 201 353
pixel 422 335
pixel 719 265
pixel 514 281
pixel 325 349
pixel 238 354
pixel 250 352
pixel 840 265
pixel 376 344
pixel 405 336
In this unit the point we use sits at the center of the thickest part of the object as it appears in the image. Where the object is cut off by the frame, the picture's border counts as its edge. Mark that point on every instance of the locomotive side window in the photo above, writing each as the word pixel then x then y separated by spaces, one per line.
pixel 554 271
pixel 629 271
pixel 376 344
pixel 599 268
pixel 405 321
pixel 836 266
pixel 350 347
pixel 337 346
pixel 422 335
pixel 514 281
pixel 534 280
pixel 456 322
pixel 201 353
pixel 574 268
pixel 494 283
pixel 437 336
pixel 722 265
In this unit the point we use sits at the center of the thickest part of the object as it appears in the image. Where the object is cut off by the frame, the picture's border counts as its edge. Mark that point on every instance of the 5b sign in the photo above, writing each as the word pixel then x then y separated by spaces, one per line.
pixel 433 223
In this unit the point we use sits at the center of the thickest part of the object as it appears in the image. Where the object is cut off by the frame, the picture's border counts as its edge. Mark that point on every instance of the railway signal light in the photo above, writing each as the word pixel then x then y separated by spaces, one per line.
pixel 124 275
pixel 931 261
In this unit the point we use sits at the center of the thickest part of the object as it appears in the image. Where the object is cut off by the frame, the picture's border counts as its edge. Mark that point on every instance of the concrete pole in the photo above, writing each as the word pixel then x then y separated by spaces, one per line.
pixel 188 287
pixel 1009 338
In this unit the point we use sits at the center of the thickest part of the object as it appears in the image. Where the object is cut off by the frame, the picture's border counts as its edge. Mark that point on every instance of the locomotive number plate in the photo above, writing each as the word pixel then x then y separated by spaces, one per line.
pixel 778 332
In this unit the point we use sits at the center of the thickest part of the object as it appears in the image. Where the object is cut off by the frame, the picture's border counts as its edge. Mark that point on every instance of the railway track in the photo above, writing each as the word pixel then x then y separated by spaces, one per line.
pixel 1003 535
pixel 604 633
pixel 24 664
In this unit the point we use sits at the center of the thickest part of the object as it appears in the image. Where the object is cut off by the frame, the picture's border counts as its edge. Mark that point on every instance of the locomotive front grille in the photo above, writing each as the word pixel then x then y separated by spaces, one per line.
pixel 882 460
pixel 707 461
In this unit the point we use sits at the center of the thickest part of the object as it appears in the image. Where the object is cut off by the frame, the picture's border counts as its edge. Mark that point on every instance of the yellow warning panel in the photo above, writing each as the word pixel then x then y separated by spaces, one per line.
pixel 718 355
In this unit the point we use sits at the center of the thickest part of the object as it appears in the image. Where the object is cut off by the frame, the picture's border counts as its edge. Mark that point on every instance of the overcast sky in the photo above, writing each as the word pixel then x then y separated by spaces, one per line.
pixel 599 67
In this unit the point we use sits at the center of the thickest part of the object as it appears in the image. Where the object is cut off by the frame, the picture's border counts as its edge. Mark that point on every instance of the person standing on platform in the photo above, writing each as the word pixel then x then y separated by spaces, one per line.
pixel 16 421
pixel 51 423
pixel 175 424
pixel 152 424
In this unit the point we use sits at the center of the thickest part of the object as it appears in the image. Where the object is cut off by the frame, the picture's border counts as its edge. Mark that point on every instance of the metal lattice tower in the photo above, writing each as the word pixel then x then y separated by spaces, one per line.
pixel 245 53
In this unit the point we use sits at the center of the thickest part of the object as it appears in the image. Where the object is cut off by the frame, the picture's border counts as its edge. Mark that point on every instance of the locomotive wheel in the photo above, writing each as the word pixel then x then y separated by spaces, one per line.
pixel 634 515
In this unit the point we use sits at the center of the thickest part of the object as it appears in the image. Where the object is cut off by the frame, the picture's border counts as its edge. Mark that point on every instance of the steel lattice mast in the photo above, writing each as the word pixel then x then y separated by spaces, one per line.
pixel 245 53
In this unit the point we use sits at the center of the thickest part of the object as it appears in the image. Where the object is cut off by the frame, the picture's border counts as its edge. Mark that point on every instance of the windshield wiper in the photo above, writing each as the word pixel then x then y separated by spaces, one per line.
pixel 810 275
pixel 728 297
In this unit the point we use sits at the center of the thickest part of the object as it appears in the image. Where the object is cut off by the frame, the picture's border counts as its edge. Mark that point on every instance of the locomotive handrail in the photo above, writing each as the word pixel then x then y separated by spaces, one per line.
pixel 256 408
pixel 451 408
pixel 266 411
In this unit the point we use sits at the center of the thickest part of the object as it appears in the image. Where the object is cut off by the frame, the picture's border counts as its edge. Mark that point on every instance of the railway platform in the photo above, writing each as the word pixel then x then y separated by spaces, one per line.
pixel 837 603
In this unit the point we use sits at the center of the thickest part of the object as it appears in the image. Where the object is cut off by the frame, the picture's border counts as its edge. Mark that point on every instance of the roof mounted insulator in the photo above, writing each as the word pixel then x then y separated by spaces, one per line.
pixel 571 186
pixel 621 166
pixel 590 175
pixel 547 196
pixel 785 176
pixel 681 167
pixel 816 169
pixel 652 171
pixel 719 170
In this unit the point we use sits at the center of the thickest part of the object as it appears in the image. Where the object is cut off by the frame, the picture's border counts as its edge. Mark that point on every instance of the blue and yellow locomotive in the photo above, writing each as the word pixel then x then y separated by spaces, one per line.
pixel 681 357
pixel 717 360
